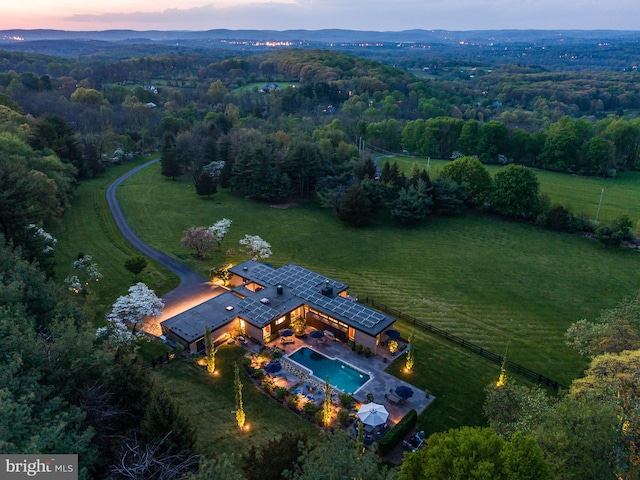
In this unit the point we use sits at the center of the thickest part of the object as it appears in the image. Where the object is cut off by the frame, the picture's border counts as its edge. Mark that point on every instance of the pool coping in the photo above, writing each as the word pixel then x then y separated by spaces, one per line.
pixel 337 359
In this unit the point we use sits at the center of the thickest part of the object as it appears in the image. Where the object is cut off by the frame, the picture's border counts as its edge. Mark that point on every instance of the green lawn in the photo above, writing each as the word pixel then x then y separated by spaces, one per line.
pixel 258 85
pixel 210 403
pixel 580 195
pixel 88 227
pixel 491 282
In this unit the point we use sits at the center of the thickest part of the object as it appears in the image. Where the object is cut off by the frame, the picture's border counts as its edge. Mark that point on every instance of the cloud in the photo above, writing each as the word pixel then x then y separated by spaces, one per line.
pixel 382 15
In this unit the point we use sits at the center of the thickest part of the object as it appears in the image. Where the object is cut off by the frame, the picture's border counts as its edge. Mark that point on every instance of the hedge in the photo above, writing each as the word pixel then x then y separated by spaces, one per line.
pixel 398 432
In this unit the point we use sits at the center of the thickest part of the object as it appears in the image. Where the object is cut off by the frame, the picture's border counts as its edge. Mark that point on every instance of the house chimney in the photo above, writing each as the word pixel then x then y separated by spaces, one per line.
pixel 279 289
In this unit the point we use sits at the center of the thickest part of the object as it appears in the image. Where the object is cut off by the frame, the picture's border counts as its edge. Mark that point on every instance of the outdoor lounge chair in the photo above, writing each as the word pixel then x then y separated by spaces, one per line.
pixel 394 399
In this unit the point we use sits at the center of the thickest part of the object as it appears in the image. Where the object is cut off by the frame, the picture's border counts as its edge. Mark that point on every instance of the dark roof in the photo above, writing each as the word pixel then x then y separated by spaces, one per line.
pixel 308 286
pixel 190 324
pixel 285 289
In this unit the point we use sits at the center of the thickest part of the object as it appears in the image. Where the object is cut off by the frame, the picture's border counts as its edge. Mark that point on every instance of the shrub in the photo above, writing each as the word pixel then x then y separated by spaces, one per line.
pixel 359 349
pixel 398 432
pixel 277 353
pixel 346 400
pixel 310 408
pixel 268 385
pixel 319 417
pixel 367 352
pixel 281 392
pixel 294 401
pixel 298 325
pixel 258 374
pixel 246 362
pixel 343 417
pixel 584 224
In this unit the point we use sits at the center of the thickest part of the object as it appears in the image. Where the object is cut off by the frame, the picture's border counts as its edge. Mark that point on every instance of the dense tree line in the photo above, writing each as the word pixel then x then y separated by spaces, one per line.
pixel 568 145
pixel 512 114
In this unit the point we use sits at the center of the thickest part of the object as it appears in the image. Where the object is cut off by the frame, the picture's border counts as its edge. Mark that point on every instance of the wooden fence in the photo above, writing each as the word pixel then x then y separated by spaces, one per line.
pixel 164 358
pixel 483 352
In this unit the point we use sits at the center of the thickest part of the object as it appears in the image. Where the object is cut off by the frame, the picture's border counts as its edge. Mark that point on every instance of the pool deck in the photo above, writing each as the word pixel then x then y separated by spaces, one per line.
pixel 381 382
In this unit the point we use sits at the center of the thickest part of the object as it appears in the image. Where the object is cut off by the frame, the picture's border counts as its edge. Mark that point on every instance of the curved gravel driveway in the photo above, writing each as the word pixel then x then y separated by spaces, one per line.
pixel 193 288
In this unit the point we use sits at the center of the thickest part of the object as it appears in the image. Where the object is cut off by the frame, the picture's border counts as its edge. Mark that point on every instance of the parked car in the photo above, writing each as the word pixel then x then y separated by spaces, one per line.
pixel 415 442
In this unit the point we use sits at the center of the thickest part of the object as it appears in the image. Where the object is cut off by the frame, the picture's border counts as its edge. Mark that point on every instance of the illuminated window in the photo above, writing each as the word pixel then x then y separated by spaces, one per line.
pixel 280 320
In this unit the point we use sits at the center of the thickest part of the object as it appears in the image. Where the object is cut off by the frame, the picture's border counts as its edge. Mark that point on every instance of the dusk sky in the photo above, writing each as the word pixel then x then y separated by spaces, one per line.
pixel 380 15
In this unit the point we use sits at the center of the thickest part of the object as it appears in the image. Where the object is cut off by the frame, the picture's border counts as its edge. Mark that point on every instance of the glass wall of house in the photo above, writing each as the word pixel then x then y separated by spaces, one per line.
pixel 322 321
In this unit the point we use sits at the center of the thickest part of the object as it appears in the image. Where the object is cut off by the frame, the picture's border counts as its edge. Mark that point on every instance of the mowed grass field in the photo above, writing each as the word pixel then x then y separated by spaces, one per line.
pixel 88 228
pixel 495 283
pixel 580 195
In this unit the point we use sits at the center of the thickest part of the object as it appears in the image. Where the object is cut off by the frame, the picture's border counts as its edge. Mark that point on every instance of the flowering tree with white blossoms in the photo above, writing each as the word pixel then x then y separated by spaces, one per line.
pixel 139 303
pixel 214 169
pixel 219 230
pixel 47 240
pixel 116 333
pixel 256 247
pixel 87 272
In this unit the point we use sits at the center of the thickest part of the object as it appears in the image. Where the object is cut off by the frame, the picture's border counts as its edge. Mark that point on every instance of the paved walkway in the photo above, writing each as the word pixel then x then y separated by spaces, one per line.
pixel 193 288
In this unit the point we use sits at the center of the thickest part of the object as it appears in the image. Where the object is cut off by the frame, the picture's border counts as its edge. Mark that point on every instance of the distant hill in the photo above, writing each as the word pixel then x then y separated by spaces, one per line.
pixel 322 36
pixel 554 49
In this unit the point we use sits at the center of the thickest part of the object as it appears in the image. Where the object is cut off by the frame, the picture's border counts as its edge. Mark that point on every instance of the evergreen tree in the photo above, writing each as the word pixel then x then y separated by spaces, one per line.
pixel 240 415
pixel 355 207
pixel 169 159
pixel 205 184
pixel 210 350
pixel 412 205
pixel 163 419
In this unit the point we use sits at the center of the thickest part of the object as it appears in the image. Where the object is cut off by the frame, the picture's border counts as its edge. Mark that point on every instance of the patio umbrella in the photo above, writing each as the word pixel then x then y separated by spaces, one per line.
pixel 373 414
pixel 273 367
pixel 317 334
pixel 393 333
pixel 404 392
pixel 286 332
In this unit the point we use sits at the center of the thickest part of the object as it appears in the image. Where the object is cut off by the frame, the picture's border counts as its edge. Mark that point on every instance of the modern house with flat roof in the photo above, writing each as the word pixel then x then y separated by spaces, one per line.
pixel 264 300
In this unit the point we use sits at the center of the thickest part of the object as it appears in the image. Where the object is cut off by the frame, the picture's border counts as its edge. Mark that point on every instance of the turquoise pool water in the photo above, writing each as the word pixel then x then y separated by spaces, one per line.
pixel 341 375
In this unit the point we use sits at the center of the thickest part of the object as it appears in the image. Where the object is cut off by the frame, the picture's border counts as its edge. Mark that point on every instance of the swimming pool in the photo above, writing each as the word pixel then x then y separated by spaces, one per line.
pixel 341 375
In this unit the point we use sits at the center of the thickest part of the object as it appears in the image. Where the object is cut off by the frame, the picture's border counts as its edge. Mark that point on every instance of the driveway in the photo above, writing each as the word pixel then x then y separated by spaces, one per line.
pixel 193 288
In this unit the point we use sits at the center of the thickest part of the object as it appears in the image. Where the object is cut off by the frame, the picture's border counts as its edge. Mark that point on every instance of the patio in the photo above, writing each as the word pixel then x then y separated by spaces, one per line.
pixel 381 384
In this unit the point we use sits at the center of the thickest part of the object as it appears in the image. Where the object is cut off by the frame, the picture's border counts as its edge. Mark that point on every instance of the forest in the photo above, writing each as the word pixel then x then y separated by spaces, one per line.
pixel 309 125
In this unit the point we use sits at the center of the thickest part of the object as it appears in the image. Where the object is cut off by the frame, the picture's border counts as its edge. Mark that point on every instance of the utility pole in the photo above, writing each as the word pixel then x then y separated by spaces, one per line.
pixel 599 205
